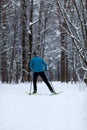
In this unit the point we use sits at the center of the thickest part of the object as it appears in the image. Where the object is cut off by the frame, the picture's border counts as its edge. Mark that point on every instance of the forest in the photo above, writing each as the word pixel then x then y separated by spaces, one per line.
pixel 57 29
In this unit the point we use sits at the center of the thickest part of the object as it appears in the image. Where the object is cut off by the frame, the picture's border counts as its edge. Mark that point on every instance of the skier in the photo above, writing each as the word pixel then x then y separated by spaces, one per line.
pixel 39 66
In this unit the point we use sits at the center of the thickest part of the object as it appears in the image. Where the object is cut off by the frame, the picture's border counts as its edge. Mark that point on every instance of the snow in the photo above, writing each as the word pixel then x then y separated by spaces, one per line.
pixel 65 111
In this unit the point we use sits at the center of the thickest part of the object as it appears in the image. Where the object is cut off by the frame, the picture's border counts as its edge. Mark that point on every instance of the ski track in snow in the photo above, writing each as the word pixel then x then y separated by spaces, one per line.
pixel 65 111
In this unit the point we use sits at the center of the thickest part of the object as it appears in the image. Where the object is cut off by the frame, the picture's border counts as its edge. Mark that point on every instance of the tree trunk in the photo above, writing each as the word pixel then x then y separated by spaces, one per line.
pixel 4 69
pixel 64 59
pixel 23 22
pixel 30 39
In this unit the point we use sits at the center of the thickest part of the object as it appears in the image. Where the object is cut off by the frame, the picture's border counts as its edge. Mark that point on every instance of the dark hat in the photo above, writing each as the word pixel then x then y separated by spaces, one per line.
pixel 35 52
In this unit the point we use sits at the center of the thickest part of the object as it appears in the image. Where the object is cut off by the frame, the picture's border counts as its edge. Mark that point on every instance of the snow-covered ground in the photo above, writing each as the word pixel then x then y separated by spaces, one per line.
pixel 20 111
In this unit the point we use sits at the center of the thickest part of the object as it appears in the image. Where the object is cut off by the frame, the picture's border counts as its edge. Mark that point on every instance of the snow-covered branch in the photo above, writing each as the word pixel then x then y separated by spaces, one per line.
pixel 5 50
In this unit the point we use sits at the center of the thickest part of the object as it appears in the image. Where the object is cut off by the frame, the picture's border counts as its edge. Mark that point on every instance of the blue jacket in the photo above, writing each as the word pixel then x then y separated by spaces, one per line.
pixel 37 64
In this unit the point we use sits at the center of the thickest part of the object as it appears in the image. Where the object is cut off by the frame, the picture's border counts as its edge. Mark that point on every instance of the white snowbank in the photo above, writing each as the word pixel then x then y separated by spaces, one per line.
pixel 20 111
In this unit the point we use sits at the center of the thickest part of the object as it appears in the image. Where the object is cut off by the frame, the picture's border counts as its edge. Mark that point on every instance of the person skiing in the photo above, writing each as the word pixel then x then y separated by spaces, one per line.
pixel 39 66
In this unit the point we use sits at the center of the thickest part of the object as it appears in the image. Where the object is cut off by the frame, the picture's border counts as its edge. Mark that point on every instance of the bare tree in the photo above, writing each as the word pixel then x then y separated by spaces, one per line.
pixel 64 44
pixel 23 22
pixel 12 76
pixel 77 31
pixel 3 46
pixel 30 37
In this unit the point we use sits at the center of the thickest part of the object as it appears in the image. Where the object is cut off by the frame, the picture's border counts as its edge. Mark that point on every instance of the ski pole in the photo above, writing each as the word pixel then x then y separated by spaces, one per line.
pixel 30 88
pixel 30 85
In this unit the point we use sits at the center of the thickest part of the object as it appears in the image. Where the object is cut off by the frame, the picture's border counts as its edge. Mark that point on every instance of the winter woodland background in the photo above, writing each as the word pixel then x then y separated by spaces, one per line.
pixel 56 28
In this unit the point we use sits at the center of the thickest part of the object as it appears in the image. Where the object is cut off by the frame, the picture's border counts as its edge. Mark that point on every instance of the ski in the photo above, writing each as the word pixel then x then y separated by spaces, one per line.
pixel 53 94
pixel 33 93
pixel 40 94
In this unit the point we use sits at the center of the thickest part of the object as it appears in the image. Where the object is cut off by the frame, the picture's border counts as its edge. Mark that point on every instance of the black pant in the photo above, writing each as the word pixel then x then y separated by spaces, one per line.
pixel 43 76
